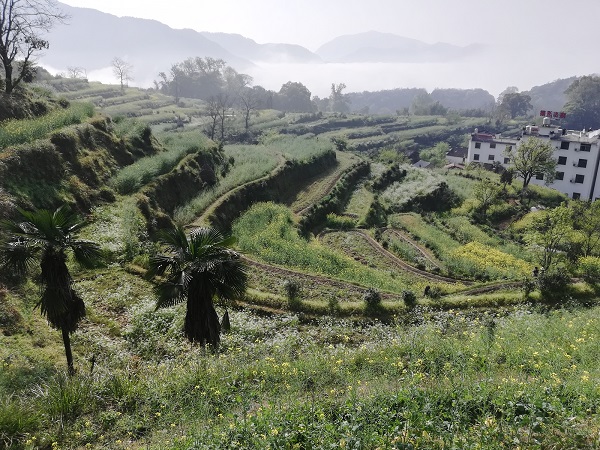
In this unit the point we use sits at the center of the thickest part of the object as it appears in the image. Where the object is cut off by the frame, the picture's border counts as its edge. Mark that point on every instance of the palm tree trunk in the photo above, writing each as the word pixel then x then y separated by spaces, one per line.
pixel 67 343
pixel 201 320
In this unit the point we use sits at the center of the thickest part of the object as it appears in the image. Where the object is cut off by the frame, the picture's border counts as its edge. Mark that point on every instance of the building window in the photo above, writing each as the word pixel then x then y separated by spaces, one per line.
pixel 576 195
pixel 564 145
pixel 477 144
pixel 539 176
pixel 493 145
pixel 582 163
pixel 491 157
pixel 585 147
pixel 579 178
pixel 559 176
pixel 476 157
pixel 506 160
pixel 562 160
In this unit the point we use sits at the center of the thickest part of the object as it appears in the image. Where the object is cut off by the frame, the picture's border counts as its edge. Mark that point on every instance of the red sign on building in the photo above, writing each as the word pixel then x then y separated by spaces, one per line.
pixel 553 114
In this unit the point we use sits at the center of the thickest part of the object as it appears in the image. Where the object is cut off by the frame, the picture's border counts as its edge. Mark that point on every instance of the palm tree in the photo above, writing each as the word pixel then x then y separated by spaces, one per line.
pixel 197 269
pixel 47 236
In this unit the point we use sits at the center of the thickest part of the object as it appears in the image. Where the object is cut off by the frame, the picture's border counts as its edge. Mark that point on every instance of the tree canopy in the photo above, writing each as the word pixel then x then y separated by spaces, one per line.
pixel 293 96
pixel 202 78
pixel 515 104
pixel 583 103
pixel 531 157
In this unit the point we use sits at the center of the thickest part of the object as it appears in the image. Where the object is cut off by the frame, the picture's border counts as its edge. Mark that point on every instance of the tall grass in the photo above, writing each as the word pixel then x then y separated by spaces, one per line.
pixel 132 178
pixel 14 132
pixel 250 163
pixel 301 148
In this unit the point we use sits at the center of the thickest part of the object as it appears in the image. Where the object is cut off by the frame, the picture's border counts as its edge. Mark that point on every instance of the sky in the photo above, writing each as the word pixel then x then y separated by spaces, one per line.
pixel 311 23
pixel 527 42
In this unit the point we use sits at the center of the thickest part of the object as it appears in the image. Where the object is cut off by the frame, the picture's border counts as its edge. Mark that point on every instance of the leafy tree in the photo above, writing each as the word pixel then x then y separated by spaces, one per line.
pixel 531 157
pixel 337 100
pixel 437 154
pixel 340 142
pixel 508 90
pixel 589 269
pixel 22 23
pixel 424 105
pixel 202 78
pixel 515 104
pixel 583 103
pixel 587 222
pixel 506 177
pixel 196 269
pixel 294 96
pixel 47 236
pixel 122 71
pixel 549 232
pixel 486 192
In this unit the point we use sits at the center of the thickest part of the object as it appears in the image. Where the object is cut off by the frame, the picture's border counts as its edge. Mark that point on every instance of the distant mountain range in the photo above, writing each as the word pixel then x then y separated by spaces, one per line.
pixel 374 46
pixel 93 38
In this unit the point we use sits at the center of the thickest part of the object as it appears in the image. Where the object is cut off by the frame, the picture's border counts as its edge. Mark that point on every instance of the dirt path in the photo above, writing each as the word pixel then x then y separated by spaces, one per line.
pixel 424 252
pixel 404 265
pixel 283 273
pixel 301 207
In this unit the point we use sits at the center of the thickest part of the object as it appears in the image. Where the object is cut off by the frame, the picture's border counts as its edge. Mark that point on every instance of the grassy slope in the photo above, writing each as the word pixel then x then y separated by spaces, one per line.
pixel 451 379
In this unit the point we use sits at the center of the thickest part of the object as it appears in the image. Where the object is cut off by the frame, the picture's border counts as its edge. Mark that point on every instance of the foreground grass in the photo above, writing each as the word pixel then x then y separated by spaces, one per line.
pixel 522 379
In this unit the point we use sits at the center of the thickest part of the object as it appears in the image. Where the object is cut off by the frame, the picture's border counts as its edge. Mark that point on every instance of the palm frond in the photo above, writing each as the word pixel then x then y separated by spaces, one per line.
pixel 18 256
pixel 169 294
pixel 175 239
pixel 86 253
pixel 160 264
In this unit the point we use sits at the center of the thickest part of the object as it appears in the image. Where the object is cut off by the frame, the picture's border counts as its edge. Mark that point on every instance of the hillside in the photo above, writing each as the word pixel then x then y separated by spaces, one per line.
pixel 387 306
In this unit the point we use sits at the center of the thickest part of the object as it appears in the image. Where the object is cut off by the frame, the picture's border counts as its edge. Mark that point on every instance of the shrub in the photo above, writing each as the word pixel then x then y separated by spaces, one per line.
pixel 372 298
pixel 529 286
pixel 409 298
pixel 589 269
pixel 338 222
pixel 292 290
pixel 434 292
pixel 553 284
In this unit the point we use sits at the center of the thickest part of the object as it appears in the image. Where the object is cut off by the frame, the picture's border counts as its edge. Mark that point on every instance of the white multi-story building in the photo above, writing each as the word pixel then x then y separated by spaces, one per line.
pixel 577 155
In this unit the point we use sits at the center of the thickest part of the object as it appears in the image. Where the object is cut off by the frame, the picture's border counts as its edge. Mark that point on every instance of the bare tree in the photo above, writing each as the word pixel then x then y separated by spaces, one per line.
pixel 249 102
pixel 224 111
pixel 122 71
pixel 22 24
pixel 76 72
pixel 212 111
pixel 218 108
